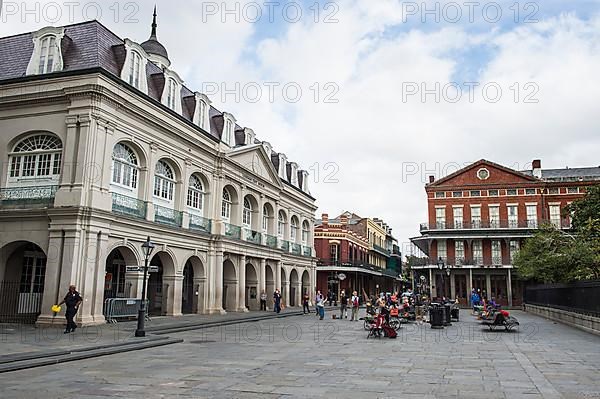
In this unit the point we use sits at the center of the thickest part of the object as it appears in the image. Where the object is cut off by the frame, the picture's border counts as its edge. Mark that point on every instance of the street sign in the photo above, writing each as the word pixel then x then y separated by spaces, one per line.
pixel 132 269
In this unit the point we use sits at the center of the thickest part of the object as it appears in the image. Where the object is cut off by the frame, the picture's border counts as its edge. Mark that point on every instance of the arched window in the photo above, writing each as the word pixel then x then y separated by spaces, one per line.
pixel 164 181
pixel 247 215
pixel 294 229
pixel 36 157
pixel 228 133
pixel 125 166
pixel 305 232
pixel 135 68
pixel 195 198
pixel 202 114
pixel 226 206
pixel 265 219
pixel 48 54
pixel 280 224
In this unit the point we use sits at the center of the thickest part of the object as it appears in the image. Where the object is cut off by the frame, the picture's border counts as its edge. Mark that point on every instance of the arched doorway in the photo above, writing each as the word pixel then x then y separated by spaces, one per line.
pixel 270 284
pixel 251 291
pixel 187 289
pixel 229 293
pixel 116 284
pixel 306 283
pixel 294 287
pixel 22 277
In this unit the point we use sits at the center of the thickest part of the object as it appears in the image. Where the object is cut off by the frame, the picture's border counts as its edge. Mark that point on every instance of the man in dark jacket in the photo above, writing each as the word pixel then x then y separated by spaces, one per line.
pixel 72 300
pixel 277 301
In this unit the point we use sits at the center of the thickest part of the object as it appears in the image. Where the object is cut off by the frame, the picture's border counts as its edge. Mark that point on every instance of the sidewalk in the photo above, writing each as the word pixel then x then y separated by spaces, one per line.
pixel 25 346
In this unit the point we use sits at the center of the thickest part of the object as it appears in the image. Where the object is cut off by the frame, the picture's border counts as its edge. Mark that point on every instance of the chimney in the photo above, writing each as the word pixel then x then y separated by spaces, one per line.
pixel 431 179
pixel 537 168
pixel 325 219
pixel 344 220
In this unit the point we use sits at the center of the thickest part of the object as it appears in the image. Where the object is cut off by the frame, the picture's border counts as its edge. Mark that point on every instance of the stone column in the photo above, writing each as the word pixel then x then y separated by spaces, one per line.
pixel 134 282
pixel 173 295
pixel 52 283
pixel 216 283
pixel 200 295
pixel 488 284
pixel 469 285
pixel 242 285
pixel 452 278
pixel 262 279
pixel 509 287
pixel 286 292
pixel 278 276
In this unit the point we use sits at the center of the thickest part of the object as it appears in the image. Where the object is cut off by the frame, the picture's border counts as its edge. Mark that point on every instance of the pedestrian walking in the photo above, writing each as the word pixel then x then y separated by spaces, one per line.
pixel 318 298
pixel 263 301
pixel 321 308
pixel 72 300
pixel 355 305
pixel 305 303
pixel 343 305
pixel 277 301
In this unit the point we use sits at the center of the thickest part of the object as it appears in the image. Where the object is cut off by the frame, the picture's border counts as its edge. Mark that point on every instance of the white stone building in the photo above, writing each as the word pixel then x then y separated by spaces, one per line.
pixel 102 145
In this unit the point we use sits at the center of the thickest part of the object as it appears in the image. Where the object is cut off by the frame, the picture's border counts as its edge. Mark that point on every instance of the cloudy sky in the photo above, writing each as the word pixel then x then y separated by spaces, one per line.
pixel 374 96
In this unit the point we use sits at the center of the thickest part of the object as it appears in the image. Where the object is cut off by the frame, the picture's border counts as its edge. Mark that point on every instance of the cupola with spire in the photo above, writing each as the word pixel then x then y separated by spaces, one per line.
pixel 157 52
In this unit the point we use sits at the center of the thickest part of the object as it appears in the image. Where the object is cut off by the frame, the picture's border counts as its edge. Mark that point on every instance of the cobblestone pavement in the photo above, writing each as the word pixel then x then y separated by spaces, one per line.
pixel 302 357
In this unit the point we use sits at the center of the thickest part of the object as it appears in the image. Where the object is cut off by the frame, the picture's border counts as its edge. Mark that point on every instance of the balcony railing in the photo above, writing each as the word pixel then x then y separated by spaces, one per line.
pixel 381 250
pixel 233 231
pixel 284 245
pixel 324 262
pixel 26 196
pixel 271 241
pixel 495 261
pixel 307 251
pixel 128 206
pixel 252 236
pixel 167 216
pixel 494 224
pixel 200 223
pixel 296 249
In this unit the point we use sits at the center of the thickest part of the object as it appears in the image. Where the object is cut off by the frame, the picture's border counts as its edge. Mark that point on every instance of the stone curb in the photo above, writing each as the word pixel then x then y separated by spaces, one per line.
pixel 85 354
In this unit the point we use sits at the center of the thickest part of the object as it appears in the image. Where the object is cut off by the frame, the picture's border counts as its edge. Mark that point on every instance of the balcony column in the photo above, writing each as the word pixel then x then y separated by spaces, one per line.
pixel 488 284
pixel 452 285
pixel 242 285
pixel 278 276
pixel 262 277
pixel 469 251
pixel 469 284
pixel 509 287
pixel 149 182
pixel 215 285
pixel 430 284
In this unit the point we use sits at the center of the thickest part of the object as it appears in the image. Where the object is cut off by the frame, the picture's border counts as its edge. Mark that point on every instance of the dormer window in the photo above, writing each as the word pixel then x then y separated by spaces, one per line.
pixel 171 88
pixel 201 112
pixel 228 130
pixel 135 68
pixel 46 57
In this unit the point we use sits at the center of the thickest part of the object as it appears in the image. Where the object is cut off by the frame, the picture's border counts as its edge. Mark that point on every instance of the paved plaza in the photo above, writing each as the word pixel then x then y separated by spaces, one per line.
pixel 301 357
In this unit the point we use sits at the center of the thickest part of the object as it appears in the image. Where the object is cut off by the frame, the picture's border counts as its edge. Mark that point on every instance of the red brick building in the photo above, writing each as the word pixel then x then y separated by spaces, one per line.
pixel 479 217
pixel 353 254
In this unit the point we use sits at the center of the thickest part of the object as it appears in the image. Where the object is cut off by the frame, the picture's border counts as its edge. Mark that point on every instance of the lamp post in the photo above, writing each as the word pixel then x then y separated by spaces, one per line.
pixel 147 248
pixel 441 266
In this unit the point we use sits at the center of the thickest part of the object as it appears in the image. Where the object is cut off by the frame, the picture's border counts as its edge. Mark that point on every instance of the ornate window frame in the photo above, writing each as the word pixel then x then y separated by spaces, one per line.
pixel 38 38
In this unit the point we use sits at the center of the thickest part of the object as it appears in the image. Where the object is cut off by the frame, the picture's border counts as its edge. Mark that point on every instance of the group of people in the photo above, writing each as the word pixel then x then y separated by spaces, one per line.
pixel 479 299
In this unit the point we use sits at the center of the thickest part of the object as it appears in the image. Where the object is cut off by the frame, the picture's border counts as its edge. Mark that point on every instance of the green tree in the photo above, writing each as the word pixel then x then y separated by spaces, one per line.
pixel 543 257
pixel 586 209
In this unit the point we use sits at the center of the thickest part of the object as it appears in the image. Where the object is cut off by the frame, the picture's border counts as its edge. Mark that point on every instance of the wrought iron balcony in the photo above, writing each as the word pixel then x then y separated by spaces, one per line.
pixel 271 241
pixel 494 224
pixel 252 236
pixel 24 197
pixel 233 231
pixel 324 262
pixel 307 251
pixel 200 223
pixel 167 216
pixel 284 245
pixel 128 206
pixel 479 261
pixel 381 250
pixel 296 249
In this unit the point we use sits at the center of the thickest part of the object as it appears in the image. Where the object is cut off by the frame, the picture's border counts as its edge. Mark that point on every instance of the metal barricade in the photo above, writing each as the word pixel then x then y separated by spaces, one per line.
pixel 121 308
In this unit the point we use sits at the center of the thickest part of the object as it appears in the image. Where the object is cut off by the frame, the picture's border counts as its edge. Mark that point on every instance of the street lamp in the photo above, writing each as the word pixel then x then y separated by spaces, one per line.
pixel 441 266
pixel 147 249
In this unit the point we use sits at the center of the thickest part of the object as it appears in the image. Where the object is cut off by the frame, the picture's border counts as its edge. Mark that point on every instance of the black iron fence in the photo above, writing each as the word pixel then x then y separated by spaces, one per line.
pixel 580 297
pixel 18 303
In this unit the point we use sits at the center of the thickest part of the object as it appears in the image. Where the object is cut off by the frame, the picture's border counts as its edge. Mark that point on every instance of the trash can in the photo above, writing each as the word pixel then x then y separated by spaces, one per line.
pixel 436 315
pixel 447 309
pixel 454 312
